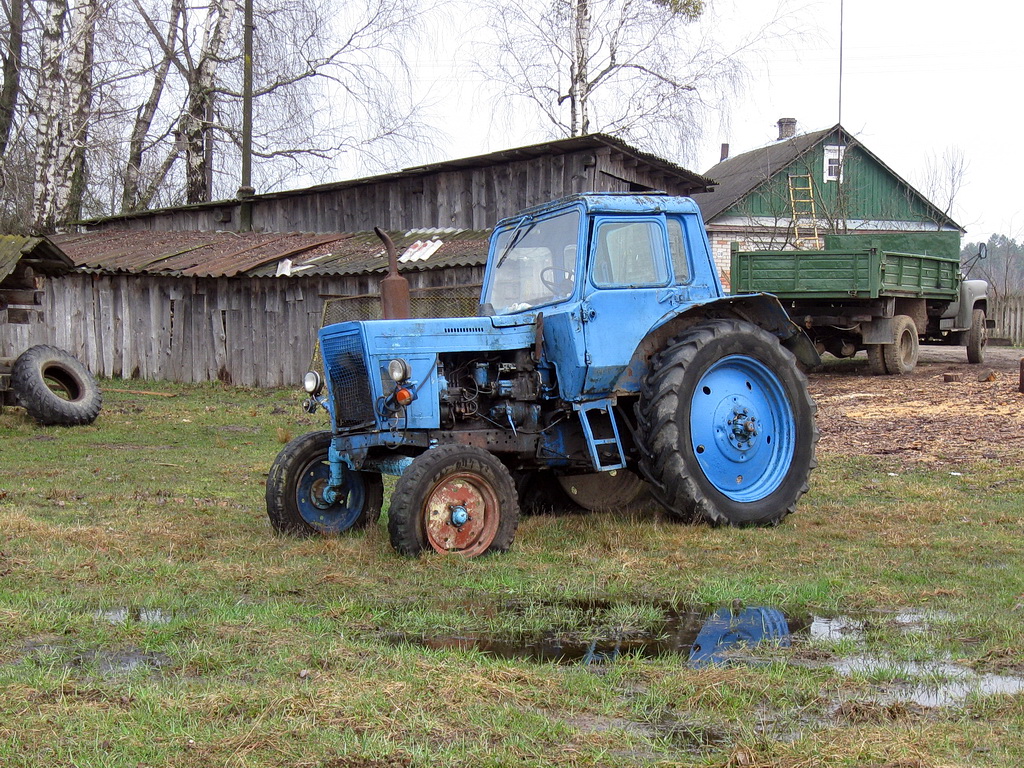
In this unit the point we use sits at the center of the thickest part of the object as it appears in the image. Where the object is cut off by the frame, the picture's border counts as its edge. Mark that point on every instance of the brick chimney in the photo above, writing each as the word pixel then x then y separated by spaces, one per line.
pixel 787 128
pixel 725 153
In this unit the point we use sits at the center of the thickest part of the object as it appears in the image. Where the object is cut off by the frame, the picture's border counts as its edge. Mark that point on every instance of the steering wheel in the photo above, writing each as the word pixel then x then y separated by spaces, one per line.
pixel 556 280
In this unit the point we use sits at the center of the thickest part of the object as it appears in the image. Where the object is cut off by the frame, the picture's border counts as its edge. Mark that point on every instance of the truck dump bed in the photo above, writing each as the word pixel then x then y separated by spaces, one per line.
pixel 841 274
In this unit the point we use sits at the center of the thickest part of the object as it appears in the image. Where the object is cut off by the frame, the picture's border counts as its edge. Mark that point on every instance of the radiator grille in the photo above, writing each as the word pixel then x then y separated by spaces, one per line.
pixel 350 387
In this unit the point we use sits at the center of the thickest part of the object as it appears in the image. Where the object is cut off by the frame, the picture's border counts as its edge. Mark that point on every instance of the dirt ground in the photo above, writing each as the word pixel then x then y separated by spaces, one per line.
pixel 922 418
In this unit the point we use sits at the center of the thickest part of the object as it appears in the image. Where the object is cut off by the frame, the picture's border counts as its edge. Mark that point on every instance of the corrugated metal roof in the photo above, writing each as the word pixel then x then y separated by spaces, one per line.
pixel 229 254
pixel 50 259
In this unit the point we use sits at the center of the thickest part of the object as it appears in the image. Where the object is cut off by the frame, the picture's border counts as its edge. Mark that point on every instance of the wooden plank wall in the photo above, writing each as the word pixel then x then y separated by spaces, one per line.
pixel 465 198
pixel 257 332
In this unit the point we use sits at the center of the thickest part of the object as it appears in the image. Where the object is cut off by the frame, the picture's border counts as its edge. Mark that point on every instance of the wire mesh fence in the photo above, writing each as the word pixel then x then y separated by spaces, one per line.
pixel 447 301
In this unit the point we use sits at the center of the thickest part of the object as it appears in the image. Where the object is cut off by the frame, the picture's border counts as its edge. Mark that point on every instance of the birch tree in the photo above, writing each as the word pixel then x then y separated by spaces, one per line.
pixel 63 107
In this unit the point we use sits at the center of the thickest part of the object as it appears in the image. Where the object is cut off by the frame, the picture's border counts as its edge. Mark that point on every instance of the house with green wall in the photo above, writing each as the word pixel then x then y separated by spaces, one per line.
pixel 797 190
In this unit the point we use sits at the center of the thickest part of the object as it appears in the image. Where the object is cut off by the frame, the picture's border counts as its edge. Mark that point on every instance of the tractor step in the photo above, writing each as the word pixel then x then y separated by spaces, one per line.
pixel 602 433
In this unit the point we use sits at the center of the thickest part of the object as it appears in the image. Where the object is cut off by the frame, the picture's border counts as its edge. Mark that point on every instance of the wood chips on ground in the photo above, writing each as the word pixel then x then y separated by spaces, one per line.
pixel 921 418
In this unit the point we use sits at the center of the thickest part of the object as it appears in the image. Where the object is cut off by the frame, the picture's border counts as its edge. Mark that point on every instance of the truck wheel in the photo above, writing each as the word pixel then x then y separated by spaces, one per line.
pixel 977 337
pixel 876 360
pixel 603 491
pixel 455 499
pixel 55 388
pixel 901 355
pixel 295 487
pixel 726 426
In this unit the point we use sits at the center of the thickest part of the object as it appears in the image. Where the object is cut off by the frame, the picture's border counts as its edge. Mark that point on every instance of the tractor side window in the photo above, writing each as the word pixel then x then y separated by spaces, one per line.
pixel 677 248
pixel 627 255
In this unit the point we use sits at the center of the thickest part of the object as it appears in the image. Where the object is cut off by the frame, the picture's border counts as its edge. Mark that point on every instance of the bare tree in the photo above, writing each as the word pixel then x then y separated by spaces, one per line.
pixel 647 70
pixel 943 179
pixel 63 99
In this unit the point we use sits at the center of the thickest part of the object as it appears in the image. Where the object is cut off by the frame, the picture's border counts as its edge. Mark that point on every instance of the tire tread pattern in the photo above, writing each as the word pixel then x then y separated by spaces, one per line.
pixel 405 527
pixel 672 483
pixel 28 380
pixel 282 508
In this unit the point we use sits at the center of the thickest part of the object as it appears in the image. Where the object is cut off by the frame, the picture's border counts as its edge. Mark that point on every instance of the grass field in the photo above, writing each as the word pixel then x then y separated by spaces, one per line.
pixel 150 617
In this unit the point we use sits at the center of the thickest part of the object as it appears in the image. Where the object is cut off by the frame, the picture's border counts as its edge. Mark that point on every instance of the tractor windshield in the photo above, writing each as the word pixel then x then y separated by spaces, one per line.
pixel 535 264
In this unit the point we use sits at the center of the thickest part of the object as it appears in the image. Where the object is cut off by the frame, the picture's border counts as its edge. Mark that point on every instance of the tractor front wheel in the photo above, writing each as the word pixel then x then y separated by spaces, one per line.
pixel 296 485
pixel 726 426
pixel 454 499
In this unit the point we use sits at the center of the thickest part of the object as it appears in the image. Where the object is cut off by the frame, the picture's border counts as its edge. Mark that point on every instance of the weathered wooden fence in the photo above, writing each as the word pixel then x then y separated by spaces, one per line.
pixel 257 332
pixel 1008 313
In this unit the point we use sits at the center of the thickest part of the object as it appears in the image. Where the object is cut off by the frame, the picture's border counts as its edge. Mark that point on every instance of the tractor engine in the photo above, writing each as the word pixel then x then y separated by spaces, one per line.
pixel 497 390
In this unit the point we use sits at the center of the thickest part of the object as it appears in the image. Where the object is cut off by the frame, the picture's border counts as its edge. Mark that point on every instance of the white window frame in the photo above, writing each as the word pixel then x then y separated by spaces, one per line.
pixel 837 153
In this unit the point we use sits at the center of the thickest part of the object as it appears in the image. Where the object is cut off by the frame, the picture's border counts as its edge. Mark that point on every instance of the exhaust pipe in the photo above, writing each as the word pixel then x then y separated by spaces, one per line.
pixel 394 289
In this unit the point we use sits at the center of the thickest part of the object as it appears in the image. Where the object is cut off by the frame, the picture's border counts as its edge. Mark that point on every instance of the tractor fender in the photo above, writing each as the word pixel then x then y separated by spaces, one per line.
pixel 761 309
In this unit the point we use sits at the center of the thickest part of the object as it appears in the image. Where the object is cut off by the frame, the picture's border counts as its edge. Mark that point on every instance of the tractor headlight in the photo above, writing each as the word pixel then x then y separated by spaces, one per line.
pixel 398 370
pixel 312 383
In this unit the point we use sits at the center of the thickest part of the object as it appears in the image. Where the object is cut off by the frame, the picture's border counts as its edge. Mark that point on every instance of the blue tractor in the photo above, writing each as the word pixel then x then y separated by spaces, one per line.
pixel 605 360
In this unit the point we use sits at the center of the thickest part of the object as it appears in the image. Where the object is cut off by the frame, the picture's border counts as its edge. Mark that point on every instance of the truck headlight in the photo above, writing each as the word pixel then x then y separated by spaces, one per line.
pixel 312 382
pixel 398 370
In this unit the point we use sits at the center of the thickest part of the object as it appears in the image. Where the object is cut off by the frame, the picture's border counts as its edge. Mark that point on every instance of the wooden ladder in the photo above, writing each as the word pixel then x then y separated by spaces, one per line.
pixel 805 217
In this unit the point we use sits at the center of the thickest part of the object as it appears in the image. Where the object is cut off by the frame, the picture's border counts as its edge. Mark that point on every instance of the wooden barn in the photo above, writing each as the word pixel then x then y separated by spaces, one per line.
pixel 472 193
pixel 191 294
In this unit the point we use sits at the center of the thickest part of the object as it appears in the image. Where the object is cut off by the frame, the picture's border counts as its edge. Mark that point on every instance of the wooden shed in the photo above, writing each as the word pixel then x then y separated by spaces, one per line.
pixel 189 294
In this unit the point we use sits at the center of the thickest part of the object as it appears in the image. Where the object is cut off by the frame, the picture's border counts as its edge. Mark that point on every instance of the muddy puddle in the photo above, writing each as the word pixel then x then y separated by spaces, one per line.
pixel 734 635
pixel 104 662
pixel 125 615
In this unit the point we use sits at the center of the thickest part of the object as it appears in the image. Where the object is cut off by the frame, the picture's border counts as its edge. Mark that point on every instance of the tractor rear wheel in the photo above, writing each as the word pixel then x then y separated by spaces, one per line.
pixel 454 499
pixel 726 426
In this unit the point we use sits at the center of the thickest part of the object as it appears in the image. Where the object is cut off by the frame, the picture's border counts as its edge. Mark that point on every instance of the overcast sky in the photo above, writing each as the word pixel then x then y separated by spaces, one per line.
pixel 919 78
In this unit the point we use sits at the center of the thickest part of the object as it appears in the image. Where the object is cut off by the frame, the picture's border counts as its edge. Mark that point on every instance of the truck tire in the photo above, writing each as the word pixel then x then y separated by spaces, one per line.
pixel 55 388
pixel 901 355
pixel 977 337
pixel 603 491
pixel 454 499
pixel 876 360
pixel 726 426
pixel 295 485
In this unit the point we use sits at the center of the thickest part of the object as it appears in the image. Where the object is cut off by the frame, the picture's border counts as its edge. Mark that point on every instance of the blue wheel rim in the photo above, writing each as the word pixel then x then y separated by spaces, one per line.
pixel 742 429
pixel 324 517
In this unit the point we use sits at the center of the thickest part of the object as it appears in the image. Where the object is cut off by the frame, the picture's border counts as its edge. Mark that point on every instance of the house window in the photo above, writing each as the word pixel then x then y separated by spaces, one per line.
pixel 834 162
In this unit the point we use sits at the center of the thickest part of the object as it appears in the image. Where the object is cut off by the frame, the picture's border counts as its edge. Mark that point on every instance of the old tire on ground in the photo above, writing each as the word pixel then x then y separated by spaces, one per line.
pixel 901 355
pixel 55 388
pixel 977 337
pixel 727 426
pixel 603 491
pixel 876 360
pixel 295 486
pixel 455 499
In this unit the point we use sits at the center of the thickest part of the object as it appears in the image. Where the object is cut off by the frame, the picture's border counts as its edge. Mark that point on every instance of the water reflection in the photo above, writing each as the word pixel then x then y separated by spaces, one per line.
pixel 705 639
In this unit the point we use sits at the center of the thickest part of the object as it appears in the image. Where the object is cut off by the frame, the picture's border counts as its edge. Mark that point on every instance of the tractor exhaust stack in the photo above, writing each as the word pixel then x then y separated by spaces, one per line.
pixel 394 289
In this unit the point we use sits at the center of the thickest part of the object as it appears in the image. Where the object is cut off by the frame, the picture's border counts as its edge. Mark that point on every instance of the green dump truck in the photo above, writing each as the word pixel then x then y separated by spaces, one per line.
pixel 881 293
